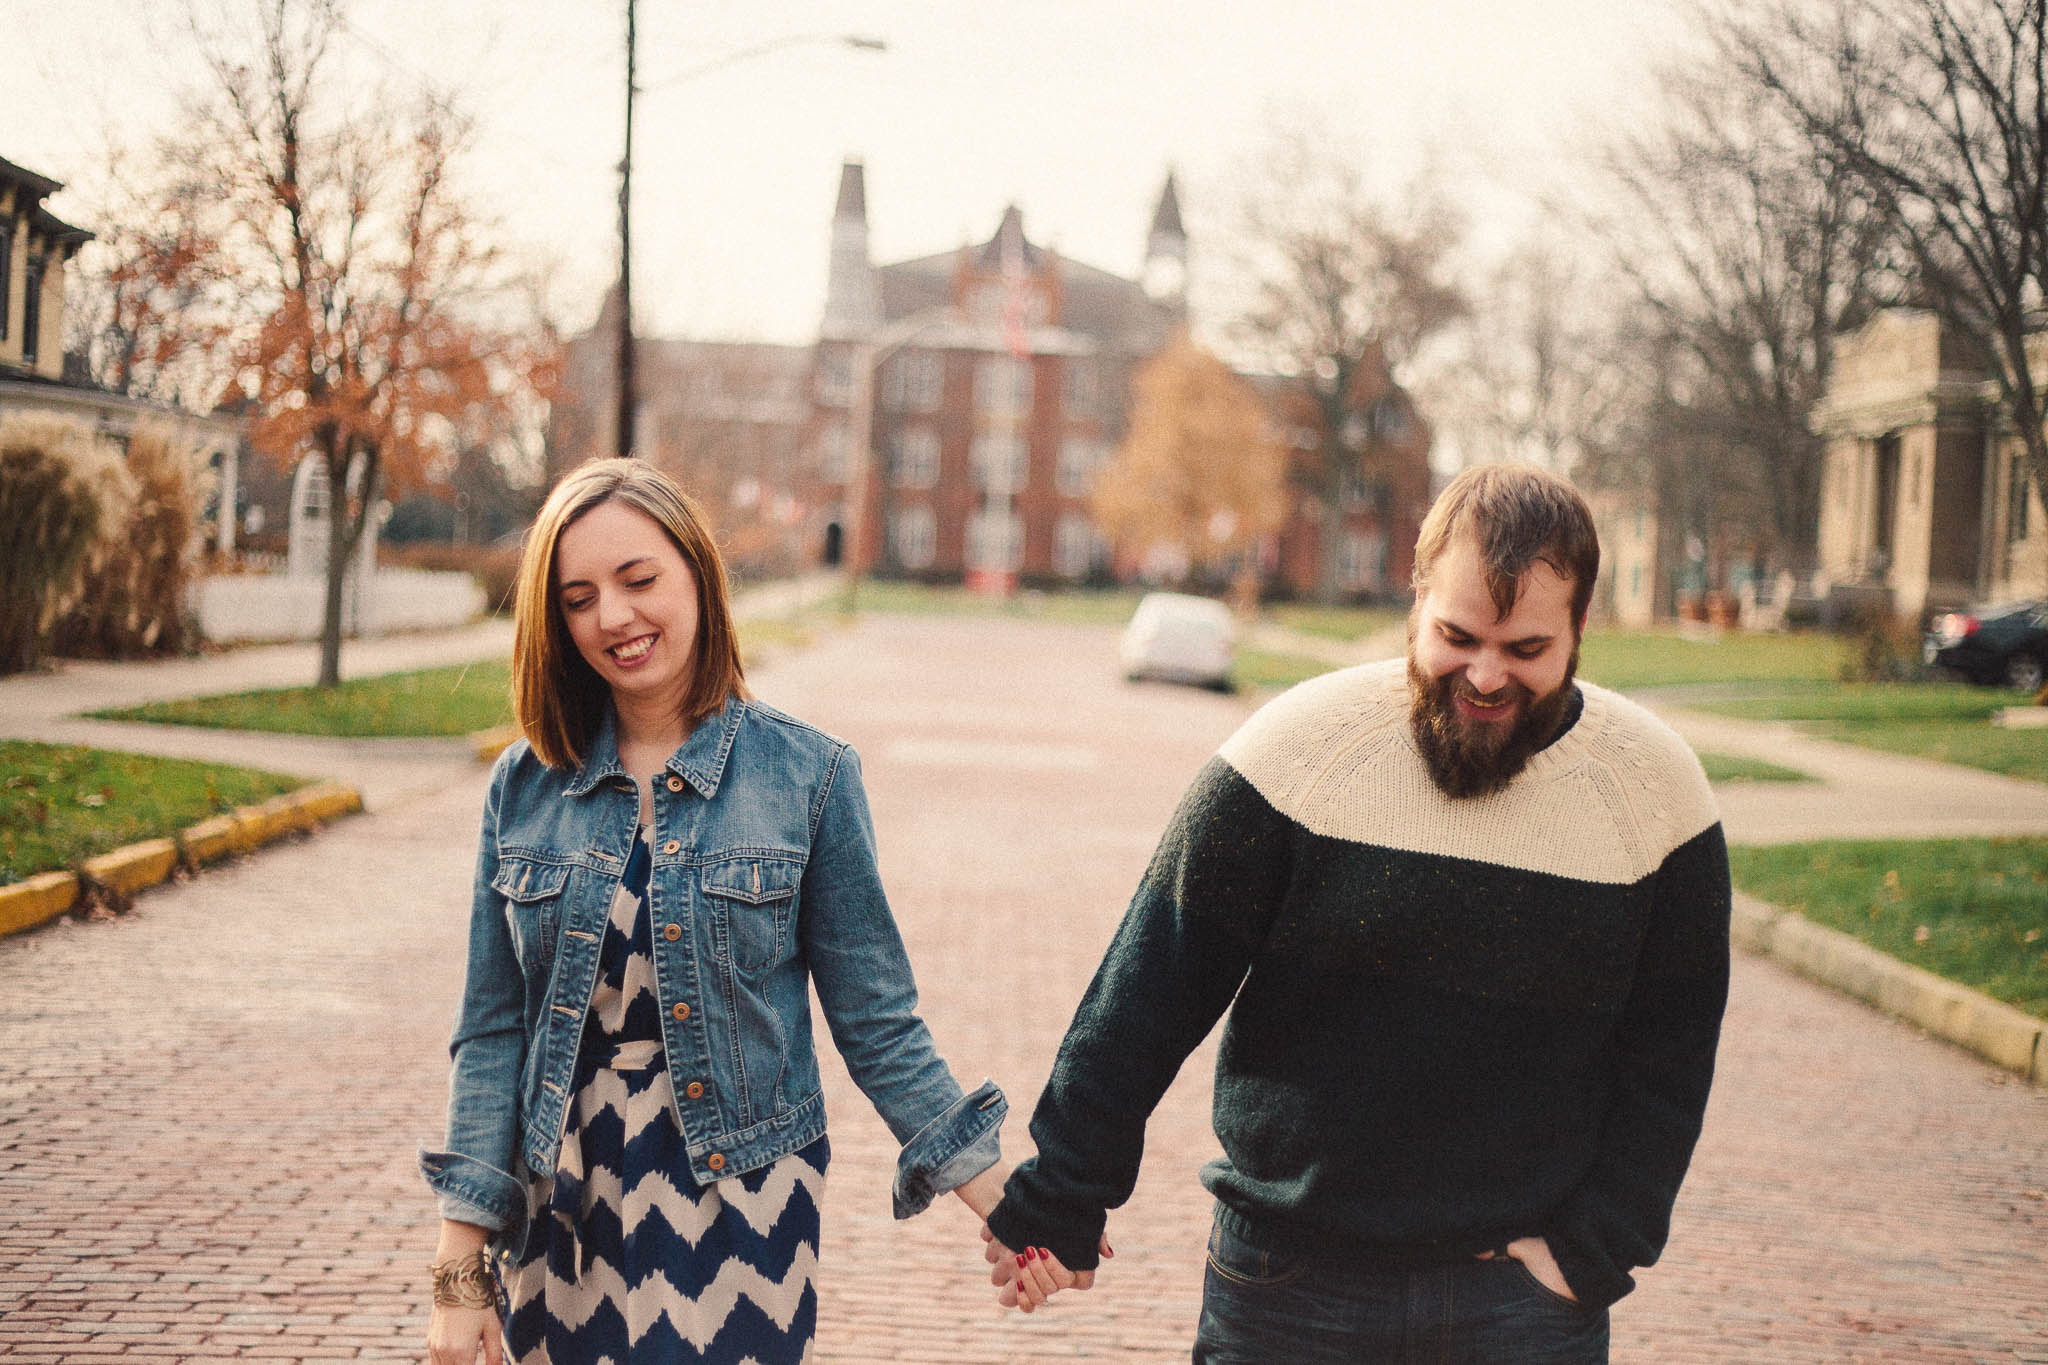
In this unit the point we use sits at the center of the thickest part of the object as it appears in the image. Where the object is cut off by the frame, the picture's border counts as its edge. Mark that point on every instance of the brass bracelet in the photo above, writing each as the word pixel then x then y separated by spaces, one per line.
pixel 467 1282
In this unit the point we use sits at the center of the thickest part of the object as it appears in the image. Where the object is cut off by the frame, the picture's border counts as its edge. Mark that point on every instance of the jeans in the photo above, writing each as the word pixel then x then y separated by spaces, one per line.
pixel 1261 1308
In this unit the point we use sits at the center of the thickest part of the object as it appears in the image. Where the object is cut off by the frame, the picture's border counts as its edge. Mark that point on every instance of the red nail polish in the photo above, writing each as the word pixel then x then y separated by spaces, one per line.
pixel 1022 1259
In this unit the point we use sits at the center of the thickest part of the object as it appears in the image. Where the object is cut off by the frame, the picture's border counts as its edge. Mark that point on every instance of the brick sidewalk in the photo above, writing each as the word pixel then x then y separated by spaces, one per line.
pixel 208 1109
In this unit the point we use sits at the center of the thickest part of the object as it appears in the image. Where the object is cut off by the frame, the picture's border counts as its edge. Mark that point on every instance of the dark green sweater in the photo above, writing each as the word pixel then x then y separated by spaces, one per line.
pixel 1455 1022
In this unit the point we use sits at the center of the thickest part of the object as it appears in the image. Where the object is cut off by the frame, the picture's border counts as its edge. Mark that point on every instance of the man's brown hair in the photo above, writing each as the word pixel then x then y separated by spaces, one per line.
pixel 559 699
pixel 1517 515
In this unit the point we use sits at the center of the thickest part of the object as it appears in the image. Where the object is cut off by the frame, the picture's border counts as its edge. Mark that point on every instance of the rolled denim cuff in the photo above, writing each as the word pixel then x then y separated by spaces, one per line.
pixel 470 1191
pixel 951 1150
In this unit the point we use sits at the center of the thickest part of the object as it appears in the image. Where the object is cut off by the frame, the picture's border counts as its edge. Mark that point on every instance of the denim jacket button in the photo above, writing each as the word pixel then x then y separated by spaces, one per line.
pixel 681 1011
pixel 715 1162
pixel 671 932
pixel 695 1090
pixel 675 784
pixel 672 846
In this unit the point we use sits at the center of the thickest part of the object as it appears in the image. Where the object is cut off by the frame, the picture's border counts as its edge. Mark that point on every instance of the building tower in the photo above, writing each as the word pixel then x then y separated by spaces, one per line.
pixel 1165 274
pixel 853 302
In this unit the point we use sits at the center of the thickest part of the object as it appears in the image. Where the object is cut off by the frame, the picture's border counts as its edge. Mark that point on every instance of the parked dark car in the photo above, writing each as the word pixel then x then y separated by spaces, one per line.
pixel 1996 646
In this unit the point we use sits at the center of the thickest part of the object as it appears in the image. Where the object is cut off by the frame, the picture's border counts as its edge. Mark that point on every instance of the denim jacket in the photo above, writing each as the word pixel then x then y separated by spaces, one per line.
pixel 763 884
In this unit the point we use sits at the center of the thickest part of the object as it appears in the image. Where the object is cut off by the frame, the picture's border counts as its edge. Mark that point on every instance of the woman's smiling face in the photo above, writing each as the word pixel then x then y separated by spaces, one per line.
pixel 630 602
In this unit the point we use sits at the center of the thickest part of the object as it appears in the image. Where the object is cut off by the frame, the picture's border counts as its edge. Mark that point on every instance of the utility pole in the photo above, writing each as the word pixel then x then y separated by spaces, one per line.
pixel 625 441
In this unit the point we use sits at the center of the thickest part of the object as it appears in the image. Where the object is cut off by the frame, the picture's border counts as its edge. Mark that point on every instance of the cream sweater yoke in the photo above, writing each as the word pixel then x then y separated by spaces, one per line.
pixel 1608 802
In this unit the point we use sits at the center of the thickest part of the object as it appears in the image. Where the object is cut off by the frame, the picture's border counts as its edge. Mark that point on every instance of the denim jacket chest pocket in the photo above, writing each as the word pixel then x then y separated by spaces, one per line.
pixel 533 909
pixel 752 900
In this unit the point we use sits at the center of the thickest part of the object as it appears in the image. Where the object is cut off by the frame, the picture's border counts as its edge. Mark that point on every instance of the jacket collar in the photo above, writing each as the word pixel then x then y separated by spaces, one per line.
pixel 700 760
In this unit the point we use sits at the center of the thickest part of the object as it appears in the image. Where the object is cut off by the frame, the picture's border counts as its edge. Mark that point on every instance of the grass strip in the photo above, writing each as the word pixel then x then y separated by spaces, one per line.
pixel 1335 623
pixel 427 703
pixel 1972 910
pixel 1628 659
pixel 1265 669
pixel 1742 768
pixel 1942 721
pixel 1077 606
pixel 61 804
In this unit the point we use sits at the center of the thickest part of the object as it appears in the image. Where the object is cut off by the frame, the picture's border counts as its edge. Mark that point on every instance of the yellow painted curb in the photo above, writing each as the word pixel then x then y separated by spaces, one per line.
pixel 488 744
pixel 208 841
pixel 135 867
pixel 28 903
pixel 132 868
pixel 1990 1028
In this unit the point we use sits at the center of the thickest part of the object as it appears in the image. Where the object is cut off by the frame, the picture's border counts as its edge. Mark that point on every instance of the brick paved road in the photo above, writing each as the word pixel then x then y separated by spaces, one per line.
pixel 208 1108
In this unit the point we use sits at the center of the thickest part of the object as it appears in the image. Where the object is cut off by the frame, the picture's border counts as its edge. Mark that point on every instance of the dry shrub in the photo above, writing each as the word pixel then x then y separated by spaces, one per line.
pixel 494 567
pixel 62 486
pixel 140 566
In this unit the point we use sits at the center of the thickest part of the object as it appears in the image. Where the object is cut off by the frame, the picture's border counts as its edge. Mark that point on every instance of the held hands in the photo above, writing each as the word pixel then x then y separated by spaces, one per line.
pixel 1026 1279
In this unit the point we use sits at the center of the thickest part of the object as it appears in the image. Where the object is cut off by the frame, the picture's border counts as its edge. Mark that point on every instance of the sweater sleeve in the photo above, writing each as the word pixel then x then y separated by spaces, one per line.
pixel 1185 944
pixel 1665 1039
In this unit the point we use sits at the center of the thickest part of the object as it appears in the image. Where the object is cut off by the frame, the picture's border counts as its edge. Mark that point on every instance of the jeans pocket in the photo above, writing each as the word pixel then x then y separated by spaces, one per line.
pixel 1241 1263
pixel 1531 1282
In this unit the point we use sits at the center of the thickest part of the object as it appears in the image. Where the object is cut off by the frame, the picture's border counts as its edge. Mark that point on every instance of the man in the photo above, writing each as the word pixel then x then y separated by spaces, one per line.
pixel 1470 921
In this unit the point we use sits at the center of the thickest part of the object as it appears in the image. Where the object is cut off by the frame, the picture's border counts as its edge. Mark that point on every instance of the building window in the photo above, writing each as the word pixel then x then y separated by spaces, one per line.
pixel 1359 491
pixel 1000 462
pixel 2016 515
pixel 835 376
pixel 1080 457
pixel 1075 546
pixel 32 311
pixel 995 540
pixel 1081 387
pixel 6 271
pixel 914 537
pixel 916 458
pixel 1002 387
pixel 1358 565
pixel 834 447
pixel 914 382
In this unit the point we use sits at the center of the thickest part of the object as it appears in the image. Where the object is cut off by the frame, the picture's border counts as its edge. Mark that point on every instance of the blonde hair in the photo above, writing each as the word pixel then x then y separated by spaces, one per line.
pixel 559 699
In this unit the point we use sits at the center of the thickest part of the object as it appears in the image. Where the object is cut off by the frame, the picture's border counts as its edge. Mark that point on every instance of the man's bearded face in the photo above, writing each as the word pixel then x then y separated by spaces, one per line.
pixel 1486 691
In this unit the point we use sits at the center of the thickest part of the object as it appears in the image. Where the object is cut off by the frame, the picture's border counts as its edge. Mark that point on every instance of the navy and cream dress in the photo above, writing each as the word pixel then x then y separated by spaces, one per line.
pixel 629 1260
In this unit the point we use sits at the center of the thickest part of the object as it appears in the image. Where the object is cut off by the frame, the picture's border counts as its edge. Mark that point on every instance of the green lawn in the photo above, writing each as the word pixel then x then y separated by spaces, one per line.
pixel 1626 660
pixel 1944 721
pixel 433 701
pixel 1737 768
pixel 1972 910
pixel 1257 669
pixel 61 804
pixel 1336 623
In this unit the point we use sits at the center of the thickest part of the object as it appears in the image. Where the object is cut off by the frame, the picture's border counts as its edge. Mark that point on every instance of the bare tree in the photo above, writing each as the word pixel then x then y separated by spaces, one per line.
pixel 1938 112
pixel 1750 252
pixel 1345 287
pixel 362 272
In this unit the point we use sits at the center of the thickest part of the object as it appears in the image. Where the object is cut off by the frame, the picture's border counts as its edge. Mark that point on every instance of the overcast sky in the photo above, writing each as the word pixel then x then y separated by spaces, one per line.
pixel 1073 111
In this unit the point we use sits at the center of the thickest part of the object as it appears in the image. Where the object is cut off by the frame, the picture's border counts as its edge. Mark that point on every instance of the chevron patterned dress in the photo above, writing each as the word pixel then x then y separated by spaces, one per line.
pixel 630 1261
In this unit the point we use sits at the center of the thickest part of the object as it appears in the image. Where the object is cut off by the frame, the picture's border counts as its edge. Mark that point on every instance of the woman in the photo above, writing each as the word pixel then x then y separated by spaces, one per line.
pixel 667 866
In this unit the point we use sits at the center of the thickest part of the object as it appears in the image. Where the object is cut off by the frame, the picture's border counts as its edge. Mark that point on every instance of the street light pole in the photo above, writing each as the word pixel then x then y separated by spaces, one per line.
pixel 625 436
pixel 856 41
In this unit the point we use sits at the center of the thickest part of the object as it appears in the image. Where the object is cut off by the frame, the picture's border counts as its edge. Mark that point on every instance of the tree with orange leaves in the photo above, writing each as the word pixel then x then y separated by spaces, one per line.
pixel 1199 473
pixel 365 335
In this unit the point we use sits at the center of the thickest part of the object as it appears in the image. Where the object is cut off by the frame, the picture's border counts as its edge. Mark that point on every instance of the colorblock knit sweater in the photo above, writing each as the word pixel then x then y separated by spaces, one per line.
pixel 1452 1022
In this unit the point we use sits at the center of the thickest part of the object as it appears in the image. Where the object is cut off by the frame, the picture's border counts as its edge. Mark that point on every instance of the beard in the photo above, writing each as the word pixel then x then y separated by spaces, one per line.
pixel 1478 758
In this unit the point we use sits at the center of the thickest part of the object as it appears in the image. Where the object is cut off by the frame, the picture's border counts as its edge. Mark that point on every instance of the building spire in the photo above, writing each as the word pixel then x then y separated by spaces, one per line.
pixel 853 300
pixel 1165 273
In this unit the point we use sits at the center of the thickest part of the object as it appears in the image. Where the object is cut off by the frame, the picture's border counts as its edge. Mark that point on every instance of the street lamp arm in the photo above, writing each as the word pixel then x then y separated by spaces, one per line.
pixel 859 42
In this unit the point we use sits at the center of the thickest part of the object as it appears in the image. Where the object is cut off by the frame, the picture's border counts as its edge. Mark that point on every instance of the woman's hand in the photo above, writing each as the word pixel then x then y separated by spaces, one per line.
pixel 985 1191
pixel 454 1335
pixel 1026 1279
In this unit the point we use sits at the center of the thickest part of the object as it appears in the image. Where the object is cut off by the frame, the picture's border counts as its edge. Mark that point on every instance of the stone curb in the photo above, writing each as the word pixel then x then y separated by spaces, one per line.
pixel 136 867
pixel 1990 1028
